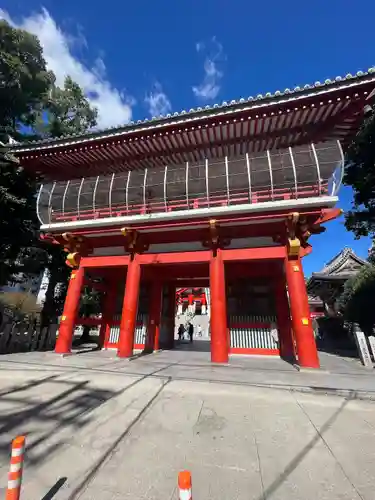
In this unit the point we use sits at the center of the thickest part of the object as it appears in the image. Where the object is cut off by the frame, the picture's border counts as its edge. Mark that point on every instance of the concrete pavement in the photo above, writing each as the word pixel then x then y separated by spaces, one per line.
pixel 100 427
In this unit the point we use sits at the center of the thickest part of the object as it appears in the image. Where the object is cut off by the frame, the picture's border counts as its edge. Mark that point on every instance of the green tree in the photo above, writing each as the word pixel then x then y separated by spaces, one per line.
pixel 32 106
pixel 357 300
pixel 24 80
pixel 360 175
pixel 18 220
pixel 66 111
pixel 24 84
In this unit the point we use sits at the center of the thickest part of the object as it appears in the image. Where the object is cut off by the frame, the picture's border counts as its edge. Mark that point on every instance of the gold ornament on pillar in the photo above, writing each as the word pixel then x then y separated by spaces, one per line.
pixel 293 243
pixel 73 259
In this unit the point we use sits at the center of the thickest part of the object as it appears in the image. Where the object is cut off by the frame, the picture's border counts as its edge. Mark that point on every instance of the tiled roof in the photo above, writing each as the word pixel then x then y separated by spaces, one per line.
pixel 337 261
pixel 225 107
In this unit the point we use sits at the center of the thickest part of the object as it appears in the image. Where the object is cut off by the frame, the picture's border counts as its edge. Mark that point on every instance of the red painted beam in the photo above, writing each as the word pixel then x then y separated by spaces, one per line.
pixel 267 253
pixel 175 257
pixel 247 254
pixel 194 235
pixel 107 261
pixel 194 276
pixel 329 214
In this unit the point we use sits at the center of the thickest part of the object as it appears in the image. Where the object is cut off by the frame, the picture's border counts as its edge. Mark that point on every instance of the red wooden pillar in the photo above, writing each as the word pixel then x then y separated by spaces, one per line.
pixel 129 309
pixel 284 325
pixel 301 320
pixel 153 327
pixel 109 306
pixel 219 336
pixel 71 306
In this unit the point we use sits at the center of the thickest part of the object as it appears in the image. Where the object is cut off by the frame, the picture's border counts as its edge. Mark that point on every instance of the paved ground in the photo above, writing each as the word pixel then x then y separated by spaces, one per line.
pixel 102 428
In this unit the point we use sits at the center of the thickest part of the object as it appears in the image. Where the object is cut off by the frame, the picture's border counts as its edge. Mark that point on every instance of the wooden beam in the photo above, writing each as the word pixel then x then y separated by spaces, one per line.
pixel 175 258
pixel 156 259
pixel 107 261
pixel 266 253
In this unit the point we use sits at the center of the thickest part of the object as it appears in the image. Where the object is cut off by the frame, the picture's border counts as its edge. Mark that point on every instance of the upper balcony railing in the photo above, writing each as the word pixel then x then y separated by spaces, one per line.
pixel 301 172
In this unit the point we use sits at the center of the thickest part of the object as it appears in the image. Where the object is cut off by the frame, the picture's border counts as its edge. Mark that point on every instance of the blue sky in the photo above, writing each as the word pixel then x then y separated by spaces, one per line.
pixel 141 58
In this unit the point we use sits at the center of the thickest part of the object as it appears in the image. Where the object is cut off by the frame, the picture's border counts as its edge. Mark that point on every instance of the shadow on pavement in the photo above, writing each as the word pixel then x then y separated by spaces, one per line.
pixel 301 455
pixel 55 489
pixel 70 408
pixel 195 346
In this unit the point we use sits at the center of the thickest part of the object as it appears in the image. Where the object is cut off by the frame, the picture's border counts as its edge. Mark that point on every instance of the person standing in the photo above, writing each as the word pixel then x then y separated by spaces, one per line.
pixel 199 331
pixel 181 331
pixel 191 331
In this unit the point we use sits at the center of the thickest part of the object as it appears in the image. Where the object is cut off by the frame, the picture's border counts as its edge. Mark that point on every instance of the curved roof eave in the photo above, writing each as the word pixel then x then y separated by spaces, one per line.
pixel 216 110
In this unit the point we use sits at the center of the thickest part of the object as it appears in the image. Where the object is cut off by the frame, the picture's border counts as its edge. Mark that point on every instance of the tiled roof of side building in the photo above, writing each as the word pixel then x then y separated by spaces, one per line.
pixel 260 100
pixel 339 259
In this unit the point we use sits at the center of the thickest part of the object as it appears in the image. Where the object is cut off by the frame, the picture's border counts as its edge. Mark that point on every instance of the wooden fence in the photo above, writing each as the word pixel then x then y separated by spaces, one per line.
pixel 25 337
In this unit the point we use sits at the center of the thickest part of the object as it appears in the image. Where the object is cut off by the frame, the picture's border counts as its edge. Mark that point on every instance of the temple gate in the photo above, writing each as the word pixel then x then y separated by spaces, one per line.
pixel 223 198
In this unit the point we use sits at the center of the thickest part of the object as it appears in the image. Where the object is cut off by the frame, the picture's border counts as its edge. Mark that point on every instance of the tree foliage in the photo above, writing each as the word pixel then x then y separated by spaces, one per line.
pixel 360 175
pixel 66 111
pixel 357 300
pixel 32 106
pixel 24 79
pixel 18 214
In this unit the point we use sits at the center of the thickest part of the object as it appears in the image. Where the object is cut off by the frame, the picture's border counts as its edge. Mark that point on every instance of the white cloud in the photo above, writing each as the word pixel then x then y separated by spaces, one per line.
pixel 158 102
pixel 114 107
pixel 209 88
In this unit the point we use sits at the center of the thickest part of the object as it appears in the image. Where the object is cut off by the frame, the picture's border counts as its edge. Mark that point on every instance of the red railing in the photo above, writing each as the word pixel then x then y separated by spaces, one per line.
pixel 215 200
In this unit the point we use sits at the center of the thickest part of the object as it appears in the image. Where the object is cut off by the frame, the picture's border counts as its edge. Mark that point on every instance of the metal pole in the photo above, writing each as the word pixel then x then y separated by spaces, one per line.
pixel 144 189
pixel 110 194
pixel 165 186
pixel 337 186
pixel 227 178
pixel 248 174
pixel 207 191
pixel 63 200
pixel 79 196
pixel 294 171
pixel 270 169
pixel 50 202
pixel 187 184
pixel 127 192
pixel 317 168
pixel 37 204
pixel 94 193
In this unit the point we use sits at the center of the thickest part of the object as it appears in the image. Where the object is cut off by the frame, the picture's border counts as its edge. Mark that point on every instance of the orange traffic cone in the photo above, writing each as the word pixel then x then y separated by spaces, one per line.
pixel 15 470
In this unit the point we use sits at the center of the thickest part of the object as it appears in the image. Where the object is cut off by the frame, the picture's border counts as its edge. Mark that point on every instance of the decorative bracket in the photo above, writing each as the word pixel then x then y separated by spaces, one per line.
pixel 133 241
pixel 215 240
pixel 299 231
pixel 74 245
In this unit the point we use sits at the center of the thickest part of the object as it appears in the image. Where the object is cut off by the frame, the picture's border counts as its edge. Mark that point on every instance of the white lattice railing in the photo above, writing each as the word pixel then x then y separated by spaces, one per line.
pixel 140 330
pixel 252 332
